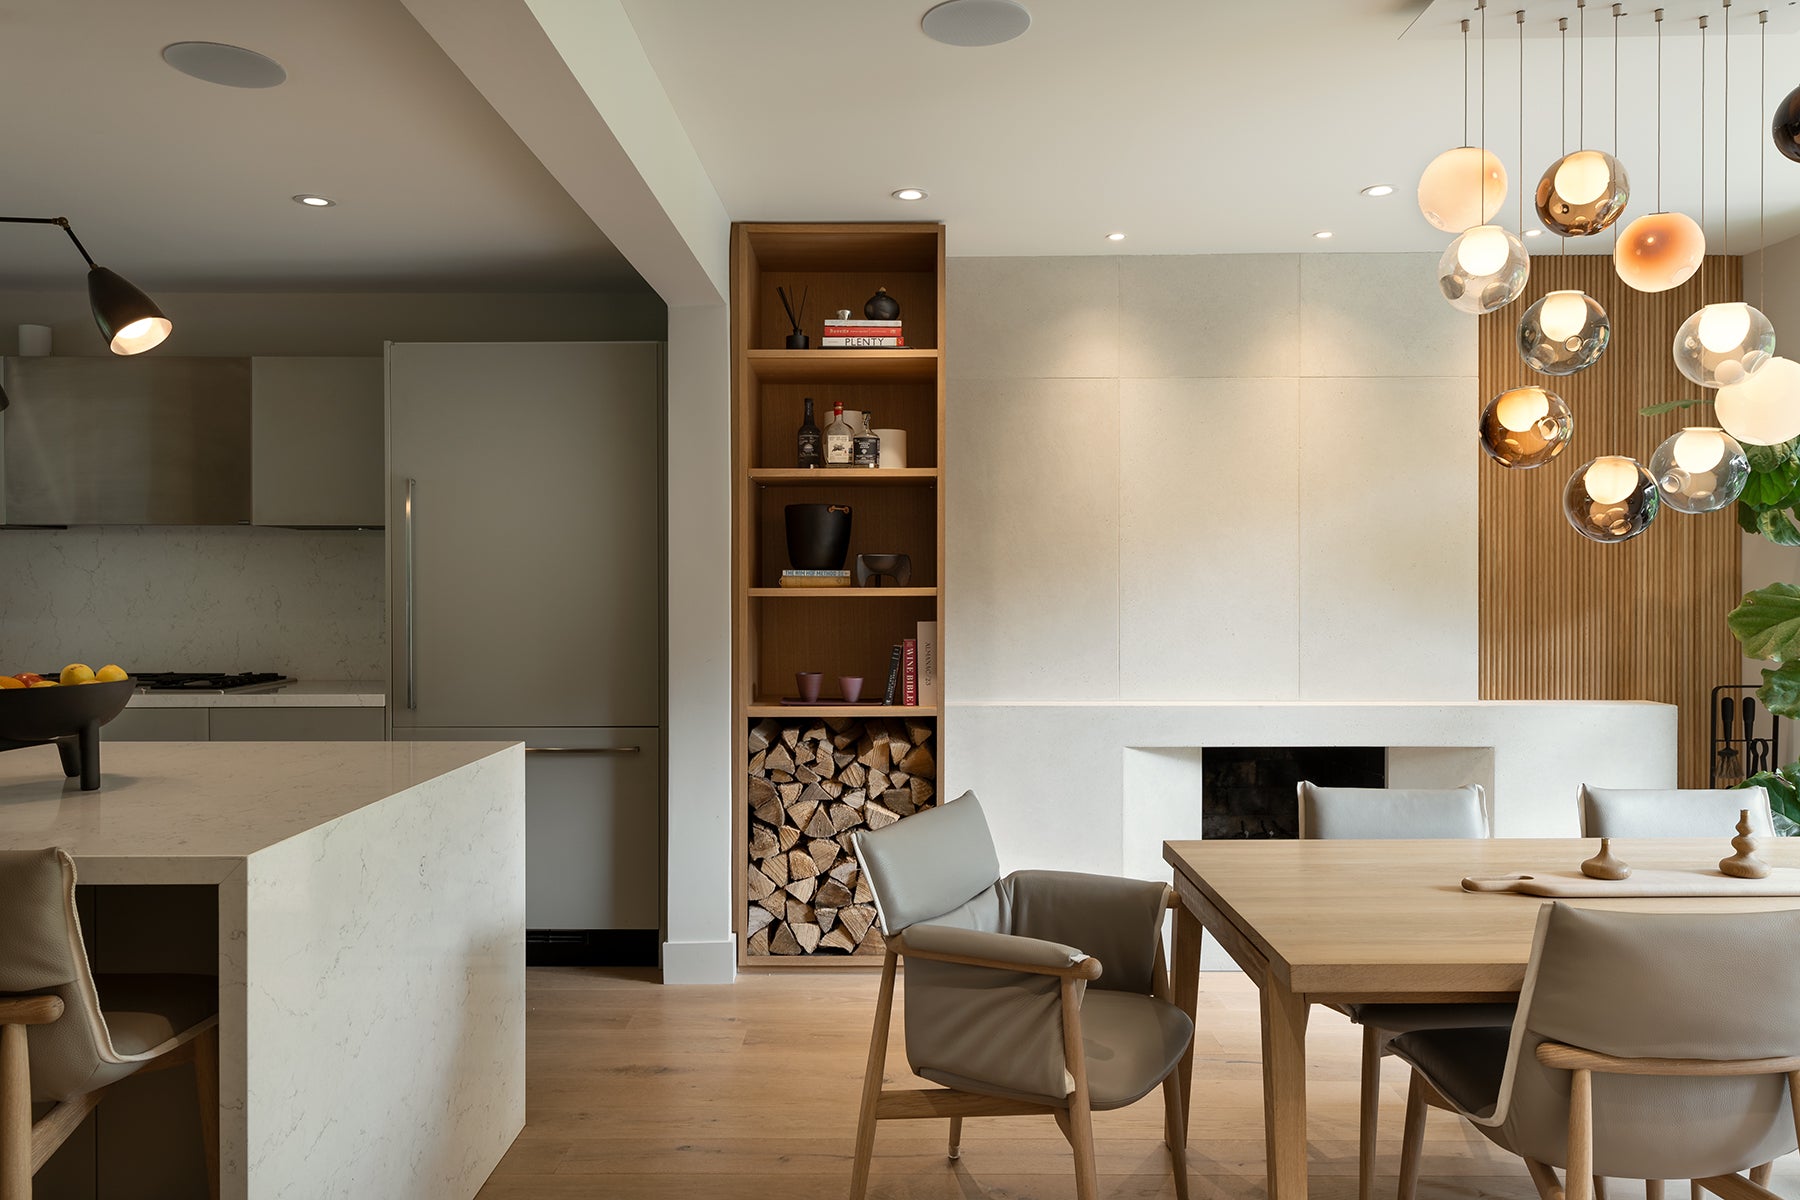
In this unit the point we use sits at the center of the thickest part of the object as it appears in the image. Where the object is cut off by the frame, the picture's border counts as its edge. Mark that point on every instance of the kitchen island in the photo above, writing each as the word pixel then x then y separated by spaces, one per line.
pixel 370 942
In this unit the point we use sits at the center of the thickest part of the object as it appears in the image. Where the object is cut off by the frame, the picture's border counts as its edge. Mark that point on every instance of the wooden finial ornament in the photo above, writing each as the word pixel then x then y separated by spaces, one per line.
pixel 1744 864
pixel 1604 866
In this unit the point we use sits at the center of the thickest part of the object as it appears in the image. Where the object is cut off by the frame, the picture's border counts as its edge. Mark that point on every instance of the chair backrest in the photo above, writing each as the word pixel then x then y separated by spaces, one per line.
pixel 1335 812
pixel 930 863
pixel 1672 812
pixel 1710 986
pixel 42 952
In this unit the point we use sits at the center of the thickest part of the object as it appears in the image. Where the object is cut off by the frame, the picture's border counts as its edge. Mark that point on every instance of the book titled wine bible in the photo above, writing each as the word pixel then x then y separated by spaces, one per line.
pixel 909 672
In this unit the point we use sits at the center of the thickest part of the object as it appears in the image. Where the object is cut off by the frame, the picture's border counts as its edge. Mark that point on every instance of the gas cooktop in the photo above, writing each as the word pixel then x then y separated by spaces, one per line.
pixel 210 681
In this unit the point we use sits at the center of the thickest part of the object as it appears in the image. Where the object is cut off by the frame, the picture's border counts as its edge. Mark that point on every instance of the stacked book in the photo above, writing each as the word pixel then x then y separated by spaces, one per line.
pixel 815 579
pixel 862 334
pixel 913 675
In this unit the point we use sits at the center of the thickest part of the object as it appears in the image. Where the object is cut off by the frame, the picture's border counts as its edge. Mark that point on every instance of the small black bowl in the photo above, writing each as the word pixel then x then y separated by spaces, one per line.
pixel 69 717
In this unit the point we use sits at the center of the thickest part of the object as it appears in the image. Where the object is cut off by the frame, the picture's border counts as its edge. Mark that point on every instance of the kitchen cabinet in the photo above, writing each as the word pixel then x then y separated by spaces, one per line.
pixel 157 725
pixel 228 724
pixel 317 442
pixel 593 824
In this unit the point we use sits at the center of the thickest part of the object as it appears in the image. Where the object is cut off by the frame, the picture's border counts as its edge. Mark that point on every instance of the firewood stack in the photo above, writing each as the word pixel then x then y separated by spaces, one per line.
pixel 813 783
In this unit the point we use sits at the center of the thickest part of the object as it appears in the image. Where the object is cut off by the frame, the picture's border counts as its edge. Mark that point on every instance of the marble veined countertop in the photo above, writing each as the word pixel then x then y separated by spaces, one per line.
pixel 189 812
pixel 307 693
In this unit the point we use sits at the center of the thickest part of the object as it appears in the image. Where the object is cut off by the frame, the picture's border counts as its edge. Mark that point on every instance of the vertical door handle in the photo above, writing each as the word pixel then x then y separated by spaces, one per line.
pixel 412 681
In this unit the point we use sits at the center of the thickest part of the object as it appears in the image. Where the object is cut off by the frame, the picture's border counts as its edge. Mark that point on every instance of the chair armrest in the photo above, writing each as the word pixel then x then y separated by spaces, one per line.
pixel 30 1010
pixel 997 951
pixel 1114 919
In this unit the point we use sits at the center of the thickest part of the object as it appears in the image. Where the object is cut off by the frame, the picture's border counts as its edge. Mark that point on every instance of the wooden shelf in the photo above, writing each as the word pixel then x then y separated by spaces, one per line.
pixel 844 593
pixel 825 708
pixel 843 366
pixel 852 477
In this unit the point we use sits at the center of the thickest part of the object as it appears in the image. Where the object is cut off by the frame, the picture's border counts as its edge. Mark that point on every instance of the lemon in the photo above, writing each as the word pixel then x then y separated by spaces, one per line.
pixel 110 673
pixel 45 683
pixel 77 673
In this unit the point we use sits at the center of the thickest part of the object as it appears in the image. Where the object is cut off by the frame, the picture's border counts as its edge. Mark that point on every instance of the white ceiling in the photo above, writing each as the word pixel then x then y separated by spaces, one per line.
pixel 1193 128
pixel 180 184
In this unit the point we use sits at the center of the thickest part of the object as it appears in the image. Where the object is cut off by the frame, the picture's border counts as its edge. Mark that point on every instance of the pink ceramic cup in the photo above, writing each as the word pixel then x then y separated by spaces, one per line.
pixel 851 686
pixel 809 683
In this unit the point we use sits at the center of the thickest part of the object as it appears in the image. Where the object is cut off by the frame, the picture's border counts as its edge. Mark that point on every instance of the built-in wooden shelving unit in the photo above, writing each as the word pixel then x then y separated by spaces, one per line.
pixel 837 631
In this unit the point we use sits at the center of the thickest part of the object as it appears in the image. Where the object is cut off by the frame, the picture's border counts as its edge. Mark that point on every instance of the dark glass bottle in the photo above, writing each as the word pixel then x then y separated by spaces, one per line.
pixel 865 447
pixel 807 441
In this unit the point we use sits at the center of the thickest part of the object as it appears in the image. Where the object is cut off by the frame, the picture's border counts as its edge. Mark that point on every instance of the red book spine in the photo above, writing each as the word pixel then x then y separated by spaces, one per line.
pixel 863 331
pixel 910 671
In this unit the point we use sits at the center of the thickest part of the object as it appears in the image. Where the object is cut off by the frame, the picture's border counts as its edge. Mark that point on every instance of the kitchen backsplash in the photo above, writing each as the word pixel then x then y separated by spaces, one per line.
pixel 305 603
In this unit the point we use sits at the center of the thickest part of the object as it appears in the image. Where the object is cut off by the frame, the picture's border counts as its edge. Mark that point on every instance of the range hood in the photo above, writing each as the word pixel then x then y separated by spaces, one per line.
pixel 126 441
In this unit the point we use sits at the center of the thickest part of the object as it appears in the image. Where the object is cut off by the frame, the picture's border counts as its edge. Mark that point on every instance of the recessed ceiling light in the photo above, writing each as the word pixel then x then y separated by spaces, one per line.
pixel 975 22
pixel 1323 234
pixel 230 66
pixel 1379 189
pixel 1115 237
pixel 314 201
pixel 1533 232
pixel 909 194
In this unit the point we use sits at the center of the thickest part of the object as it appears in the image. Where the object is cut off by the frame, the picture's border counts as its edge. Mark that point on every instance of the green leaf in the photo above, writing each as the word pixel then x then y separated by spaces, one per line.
pixel 1768 458
pixel 1767 623
pixel 1657 410
pixel 1784 797
pixel 1780 694
pixel 1775 526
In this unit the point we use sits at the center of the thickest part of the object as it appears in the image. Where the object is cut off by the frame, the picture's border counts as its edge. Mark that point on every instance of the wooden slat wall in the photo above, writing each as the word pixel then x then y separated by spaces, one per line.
pixel 1566 618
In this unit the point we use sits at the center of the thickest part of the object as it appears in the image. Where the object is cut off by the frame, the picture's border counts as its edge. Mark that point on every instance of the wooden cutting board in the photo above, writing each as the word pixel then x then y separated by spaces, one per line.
pixel 1697 881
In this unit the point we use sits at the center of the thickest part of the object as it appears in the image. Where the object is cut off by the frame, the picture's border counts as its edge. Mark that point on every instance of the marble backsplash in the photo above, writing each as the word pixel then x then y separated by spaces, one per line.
pixel 163 598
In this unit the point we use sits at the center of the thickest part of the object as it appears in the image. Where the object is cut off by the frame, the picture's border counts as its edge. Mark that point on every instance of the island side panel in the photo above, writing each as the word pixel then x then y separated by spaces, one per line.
pixel 385 994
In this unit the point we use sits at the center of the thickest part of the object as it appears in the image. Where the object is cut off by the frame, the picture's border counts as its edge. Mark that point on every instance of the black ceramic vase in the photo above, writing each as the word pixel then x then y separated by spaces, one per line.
pixel 881 306
pixel 1787 125
pixel 818 536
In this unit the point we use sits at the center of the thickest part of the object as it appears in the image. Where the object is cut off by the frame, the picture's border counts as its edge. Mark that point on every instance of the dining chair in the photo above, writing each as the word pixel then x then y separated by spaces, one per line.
pixel 1672 812
pixel 68 1036
pixel 1385 813
pixel 1044 992
pixel 1647 1046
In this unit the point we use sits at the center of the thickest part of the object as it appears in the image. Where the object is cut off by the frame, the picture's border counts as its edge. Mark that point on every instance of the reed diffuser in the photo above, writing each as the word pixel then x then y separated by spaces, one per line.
pixel 795 340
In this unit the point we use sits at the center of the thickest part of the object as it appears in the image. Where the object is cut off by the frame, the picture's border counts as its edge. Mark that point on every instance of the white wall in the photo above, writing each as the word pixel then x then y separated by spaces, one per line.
pixel 1210 477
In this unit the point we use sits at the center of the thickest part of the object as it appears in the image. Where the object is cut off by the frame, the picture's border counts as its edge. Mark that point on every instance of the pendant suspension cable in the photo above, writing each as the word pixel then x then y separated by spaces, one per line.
pixel 1703 261
pixel 1725 138
pixel 1465 37
pixel 1762 161
pixel 1562 33
pixel 1581 73
pixel 1519 187
pixel 1659 98
pixel 1617 10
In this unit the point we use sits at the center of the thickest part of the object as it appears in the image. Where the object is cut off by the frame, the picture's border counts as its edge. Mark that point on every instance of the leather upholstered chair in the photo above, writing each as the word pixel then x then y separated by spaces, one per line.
pixel 1043 992
pixel 1384 813
pixel 67 1036
pixel 1647 1046
pixel 1674 812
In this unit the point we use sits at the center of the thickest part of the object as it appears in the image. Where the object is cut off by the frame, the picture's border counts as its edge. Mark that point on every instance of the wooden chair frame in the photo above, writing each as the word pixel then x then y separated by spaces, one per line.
pixel 1075 1121
pixel 25 1145
pixel 1582 1183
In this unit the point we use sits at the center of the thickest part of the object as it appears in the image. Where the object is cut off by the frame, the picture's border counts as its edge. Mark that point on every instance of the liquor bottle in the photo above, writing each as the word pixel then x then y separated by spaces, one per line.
pixel 865 447
pixel 837 438
pixel 806 442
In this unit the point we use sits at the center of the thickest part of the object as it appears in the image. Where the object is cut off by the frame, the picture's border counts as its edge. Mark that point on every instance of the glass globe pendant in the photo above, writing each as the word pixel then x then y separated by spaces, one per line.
pixel 1763 410
pixel 1447 195
pixel 1525 427
pixel 1484 269
pixel 1564 332
pixel 1723 344
pixel 1700 470
pixel 1659 251
pixel 1611 499
pixel 1582 193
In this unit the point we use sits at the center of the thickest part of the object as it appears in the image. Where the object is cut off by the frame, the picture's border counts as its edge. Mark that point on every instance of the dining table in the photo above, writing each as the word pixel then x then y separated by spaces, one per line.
pixel 1344 922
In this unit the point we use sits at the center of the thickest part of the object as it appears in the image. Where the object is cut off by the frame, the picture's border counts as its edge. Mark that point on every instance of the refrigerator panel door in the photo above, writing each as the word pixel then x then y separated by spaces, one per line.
pixel 524 485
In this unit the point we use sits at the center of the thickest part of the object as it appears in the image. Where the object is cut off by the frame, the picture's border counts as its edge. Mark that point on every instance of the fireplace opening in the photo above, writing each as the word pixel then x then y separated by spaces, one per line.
pixel 1249 791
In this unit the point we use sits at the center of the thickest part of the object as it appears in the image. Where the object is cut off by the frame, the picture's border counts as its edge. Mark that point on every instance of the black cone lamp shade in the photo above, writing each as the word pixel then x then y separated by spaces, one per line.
pixel 129 320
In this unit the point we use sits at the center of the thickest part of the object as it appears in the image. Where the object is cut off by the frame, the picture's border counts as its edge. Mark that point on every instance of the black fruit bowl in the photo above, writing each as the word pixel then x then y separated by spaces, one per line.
pixel 67 717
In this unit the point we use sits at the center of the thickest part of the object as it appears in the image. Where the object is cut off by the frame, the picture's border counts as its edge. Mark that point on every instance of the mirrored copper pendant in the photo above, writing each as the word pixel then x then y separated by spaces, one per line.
pixel 1611 499
pixel 1582 193
pixel 1786 129
pixel 1526 427
pixel 1564 332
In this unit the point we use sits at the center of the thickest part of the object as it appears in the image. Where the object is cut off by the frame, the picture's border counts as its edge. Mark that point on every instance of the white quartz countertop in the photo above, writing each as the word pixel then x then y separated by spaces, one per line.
pixel 193 811
pixel 307 693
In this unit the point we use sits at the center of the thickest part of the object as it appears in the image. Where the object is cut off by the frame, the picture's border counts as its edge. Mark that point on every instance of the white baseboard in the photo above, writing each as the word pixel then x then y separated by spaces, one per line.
pixel 685 963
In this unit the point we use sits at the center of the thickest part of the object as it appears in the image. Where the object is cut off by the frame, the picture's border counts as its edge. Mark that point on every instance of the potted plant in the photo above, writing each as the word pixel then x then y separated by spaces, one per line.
pixel 1767 622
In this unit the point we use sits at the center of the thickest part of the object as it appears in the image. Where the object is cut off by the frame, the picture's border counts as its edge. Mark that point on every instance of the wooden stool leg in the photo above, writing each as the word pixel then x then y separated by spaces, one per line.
pixel 206 1088
pixel 955 1138
pixel 1371 1112
pixel 15 1114
pixel 1653 1189
pixel 1412 1139
pixel 1175 1132
pixel 1760 1175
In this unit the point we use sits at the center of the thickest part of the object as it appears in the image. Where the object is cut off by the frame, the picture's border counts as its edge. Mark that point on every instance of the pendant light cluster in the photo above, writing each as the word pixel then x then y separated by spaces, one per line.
pixel 1728 346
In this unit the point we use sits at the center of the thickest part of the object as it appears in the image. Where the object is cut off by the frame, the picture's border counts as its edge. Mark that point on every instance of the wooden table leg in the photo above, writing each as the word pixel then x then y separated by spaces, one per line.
pixel 1284 1088
pixel 1188 934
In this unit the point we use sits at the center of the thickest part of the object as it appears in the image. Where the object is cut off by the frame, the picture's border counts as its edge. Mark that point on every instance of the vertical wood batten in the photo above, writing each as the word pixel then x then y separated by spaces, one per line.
pixel 1566 618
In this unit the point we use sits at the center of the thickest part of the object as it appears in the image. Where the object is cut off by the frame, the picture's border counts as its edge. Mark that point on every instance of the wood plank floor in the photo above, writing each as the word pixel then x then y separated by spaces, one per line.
pixel 638 1090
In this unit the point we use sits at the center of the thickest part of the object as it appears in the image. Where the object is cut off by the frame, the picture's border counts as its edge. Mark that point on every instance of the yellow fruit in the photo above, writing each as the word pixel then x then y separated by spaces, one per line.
pixel 46 683
pixel 7 681
pixel 110 673
pixel 77 673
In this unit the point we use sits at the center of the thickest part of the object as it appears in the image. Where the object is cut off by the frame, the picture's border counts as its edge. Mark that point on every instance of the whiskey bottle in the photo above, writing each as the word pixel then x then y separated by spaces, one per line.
pixel 865 447
pixel 837 438
pixel 807 441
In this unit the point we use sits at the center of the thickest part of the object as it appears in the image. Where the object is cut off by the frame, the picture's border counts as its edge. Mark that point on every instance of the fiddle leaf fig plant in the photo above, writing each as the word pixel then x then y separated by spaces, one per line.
pixel 1770 503
pixel 1767 625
